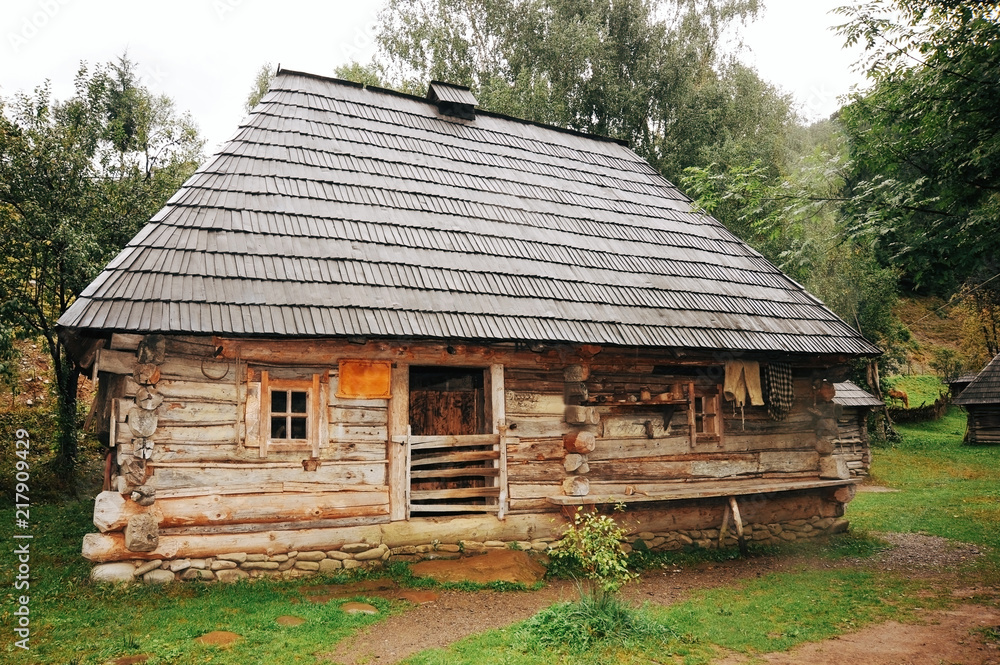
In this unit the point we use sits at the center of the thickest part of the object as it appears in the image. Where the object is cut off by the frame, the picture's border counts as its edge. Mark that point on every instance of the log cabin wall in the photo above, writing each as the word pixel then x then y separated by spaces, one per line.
pixel 983 423
pixel 852 440
pixel 194 447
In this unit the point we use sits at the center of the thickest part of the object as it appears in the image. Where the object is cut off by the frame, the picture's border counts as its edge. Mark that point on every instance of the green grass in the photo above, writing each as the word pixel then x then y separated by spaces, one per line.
pixel 919 388
pixel 946 488
pixel 772 613
pixel 73 620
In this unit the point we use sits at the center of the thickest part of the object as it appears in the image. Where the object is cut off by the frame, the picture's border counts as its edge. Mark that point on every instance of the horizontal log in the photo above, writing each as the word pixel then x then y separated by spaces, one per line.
pixel 112 515
pixel 116 362
pixel 535 472
pixel 198 369
pixel 189 413
pixel 101 547
pixel 608 449
pixel 789 461
pixel 216 434
pixel 453 508
pixel 358 416
pixel 256 527
pixel 125 342
pixel 536 449
pixel 534 403
pixel 199 391
pixel 196 476
pixel 368 433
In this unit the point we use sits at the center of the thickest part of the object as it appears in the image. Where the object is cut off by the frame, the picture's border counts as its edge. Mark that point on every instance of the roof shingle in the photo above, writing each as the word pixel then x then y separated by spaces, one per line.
pixel 341 210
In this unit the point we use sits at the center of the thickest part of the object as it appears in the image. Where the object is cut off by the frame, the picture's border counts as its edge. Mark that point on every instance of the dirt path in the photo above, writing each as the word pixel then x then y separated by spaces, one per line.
pixel 942 637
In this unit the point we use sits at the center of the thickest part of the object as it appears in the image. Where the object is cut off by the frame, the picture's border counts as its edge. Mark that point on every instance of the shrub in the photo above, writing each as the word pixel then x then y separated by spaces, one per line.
pixel 591 549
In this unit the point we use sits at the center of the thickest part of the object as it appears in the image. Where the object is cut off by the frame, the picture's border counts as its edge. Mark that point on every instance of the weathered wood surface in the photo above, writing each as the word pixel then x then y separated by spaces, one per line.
pixel 687 491
pixel 112 514
pixel 221 474
pixel 100 547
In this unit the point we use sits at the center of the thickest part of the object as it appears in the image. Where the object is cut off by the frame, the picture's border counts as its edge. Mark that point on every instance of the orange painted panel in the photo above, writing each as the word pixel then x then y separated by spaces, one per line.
pixel 364 379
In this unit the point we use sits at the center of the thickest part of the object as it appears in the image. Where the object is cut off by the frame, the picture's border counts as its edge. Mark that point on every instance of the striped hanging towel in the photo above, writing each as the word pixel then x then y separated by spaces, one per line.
pixel 780 390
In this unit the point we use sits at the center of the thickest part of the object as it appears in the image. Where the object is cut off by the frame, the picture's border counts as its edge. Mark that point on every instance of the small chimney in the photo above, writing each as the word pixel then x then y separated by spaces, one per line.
pixel 453 100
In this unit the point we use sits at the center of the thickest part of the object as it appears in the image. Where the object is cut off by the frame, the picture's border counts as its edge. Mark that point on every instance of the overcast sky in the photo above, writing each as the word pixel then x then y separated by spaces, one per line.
pixel 205 53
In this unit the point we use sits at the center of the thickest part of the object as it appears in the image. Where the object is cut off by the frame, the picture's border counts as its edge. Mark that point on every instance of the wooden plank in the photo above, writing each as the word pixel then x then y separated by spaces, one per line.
pixel 456 493
pixel 456 458
pixel 264 426
pixel 789 461
pixel 535 472
pixel 251 416
pixel 398 423
pixel 450 441
pixel 611 449
pixel 251 527
pixel 453 508
pixel 476 472
pixel 198 369
pixel 500 427
pixel 686 491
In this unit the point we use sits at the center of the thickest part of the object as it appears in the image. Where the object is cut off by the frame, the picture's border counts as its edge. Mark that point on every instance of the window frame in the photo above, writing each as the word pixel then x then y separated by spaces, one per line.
pixel 314 414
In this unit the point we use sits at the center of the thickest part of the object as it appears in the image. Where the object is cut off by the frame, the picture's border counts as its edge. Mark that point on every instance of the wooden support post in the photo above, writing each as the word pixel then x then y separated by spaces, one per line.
pixel 725 526
pixel 738 521
pixel 398 454
pixel 692 416
pixel 498 410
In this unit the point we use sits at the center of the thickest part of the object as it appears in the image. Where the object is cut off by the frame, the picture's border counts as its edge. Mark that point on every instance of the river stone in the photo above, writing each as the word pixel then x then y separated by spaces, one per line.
pixel 230 575
pixel 338 555
pixel 197 574
pixel 158 577
pixel 260 565
pixel 280 558
pixel 312 556
pixel 144 568
pixel 307 565
pixel 121 571
pixel 330 565
pixel 354 548
pixel 178 565
pixel 351 563
pixel 377 553
pixel 223 565
pixel 287 565
pixel 359 608
pixel 238 557
pixel 256 557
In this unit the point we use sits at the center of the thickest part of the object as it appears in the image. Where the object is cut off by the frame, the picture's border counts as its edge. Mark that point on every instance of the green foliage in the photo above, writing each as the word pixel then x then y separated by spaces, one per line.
pixel 650 73
pixel 926 158
pixel 592 622
pixel 77 180
pixel 261 84
pixel 591 548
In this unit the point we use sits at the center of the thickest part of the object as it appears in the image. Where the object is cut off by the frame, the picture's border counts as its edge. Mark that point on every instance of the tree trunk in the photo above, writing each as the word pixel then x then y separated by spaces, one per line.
pixel 67 378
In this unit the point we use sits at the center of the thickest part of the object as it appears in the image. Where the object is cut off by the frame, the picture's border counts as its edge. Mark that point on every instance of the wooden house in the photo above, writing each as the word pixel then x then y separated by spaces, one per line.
pixel 852 426
pixel 981 399
pixel 383 325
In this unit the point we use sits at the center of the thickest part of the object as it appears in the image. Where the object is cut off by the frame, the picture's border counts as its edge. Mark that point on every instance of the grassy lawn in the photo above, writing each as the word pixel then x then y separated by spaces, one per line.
pixel 946 489
pixel 919 388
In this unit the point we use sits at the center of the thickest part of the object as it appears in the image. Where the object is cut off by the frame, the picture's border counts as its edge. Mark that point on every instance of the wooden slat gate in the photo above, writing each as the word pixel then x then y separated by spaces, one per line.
pixel 456 474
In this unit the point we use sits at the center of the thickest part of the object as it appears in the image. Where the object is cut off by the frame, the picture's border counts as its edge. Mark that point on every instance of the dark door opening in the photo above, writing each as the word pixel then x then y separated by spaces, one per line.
pixel 453 469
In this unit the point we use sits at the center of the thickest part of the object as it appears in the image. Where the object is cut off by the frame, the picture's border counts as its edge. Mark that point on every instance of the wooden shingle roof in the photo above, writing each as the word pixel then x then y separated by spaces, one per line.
pixel 850 394
pixel 985 388
pixel 338 210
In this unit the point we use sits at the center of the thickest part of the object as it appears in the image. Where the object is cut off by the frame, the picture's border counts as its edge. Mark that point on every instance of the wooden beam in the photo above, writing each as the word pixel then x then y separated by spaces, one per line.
pixel 738 522
pixel 398 426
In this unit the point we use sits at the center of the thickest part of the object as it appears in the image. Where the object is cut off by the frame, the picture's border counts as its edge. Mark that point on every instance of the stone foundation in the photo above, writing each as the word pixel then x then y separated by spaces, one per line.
pixel 240 565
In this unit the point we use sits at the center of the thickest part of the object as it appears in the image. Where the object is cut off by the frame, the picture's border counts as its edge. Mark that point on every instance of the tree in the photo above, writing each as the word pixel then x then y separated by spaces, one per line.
pixel 650 73
pixel 926 137
pixel 261 84
pixel 77 180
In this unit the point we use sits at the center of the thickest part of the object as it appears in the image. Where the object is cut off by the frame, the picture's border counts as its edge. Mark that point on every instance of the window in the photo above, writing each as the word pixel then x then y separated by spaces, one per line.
pixel 705 414
pixel 290 414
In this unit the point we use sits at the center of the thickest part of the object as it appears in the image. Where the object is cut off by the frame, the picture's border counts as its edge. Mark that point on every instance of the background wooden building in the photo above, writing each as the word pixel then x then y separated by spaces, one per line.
pixel 852 426
pixel 981 399
pixel 379 325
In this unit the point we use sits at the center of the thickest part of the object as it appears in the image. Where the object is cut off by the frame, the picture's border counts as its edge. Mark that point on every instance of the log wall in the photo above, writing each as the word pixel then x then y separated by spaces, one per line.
pixel 185 425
